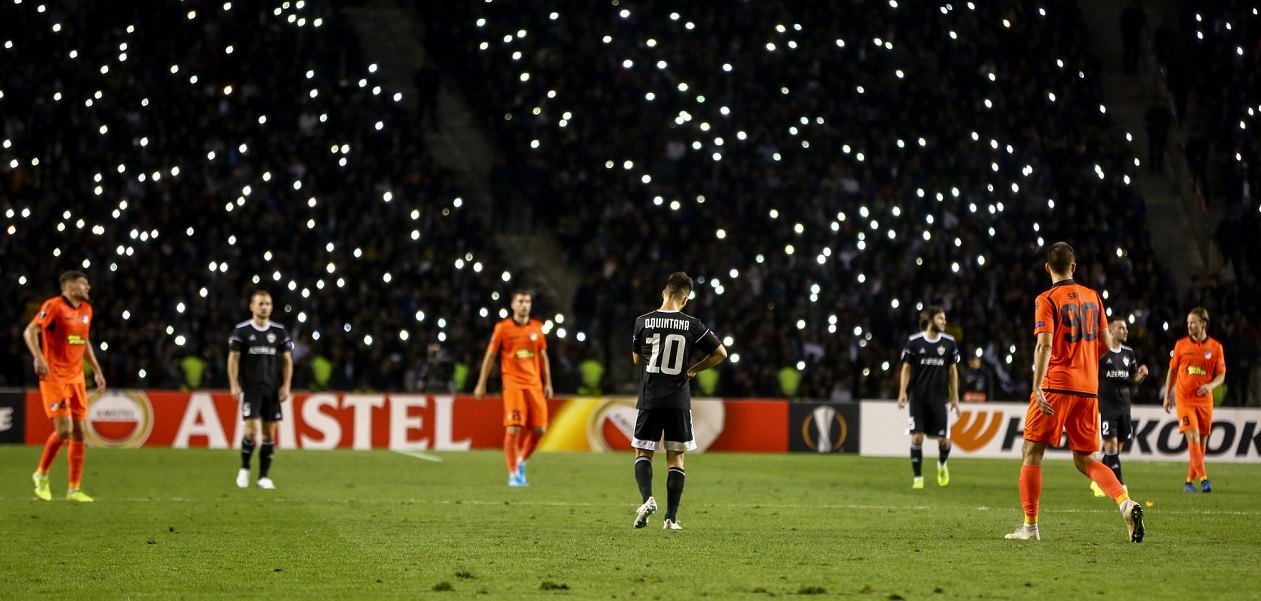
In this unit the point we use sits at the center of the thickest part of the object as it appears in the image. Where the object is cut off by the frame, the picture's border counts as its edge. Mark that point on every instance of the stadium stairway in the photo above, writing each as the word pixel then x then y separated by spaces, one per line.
pixel 392 37
pixel 1181 227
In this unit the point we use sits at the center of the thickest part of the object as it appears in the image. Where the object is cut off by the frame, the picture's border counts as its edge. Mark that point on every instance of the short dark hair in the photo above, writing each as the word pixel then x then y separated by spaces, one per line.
pixel 1200 312
pixel 679 285
pixel 520 292
pixel 1061 257
pixel 71 276
pixel 926 316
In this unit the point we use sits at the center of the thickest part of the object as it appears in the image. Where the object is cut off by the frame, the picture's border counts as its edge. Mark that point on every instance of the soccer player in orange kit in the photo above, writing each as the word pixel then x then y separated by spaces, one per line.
pixel 58 338
pixel 1071 329
pixel 1197 366
pixel 527 383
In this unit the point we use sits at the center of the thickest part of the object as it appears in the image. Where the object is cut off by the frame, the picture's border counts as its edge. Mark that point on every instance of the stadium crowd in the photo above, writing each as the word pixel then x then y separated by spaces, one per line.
pixel 823 169
pixel 183 156
pixel 827 168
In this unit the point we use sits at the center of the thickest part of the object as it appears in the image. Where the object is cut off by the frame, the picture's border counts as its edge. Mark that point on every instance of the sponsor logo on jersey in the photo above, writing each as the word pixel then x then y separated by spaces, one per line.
pixel 932 361
pixel 1117 373
pixel 75 340
pixel 119 418
pixel 525 353
pixel 1196 370
pixel 262 350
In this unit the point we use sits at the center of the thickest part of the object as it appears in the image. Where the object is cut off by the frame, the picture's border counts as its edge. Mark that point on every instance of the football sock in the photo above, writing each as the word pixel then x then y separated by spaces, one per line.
pixel 529 442
pixel 643 476
pixel 1030 491
pixel 247 451
pixel 674 492
pixel 77 450
pixel 512 449
pixel 943 454
pixel 1106 480
pixel 51 447
pixel 917 458
pixel 1113 461
pixel 1197 462
pixel 264 457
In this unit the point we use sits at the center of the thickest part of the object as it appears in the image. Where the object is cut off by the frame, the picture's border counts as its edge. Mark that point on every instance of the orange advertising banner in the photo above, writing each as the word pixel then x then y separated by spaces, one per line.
pixel 136 418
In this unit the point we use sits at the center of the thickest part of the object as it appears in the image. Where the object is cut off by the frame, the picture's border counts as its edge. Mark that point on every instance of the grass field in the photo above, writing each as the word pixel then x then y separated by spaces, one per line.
pixel 170 524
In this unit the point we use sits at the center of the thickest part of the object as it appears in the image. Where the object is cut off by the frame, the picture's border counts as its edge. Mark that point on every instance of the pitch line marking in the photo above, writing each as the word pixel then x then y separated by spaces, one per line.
pixel 419 455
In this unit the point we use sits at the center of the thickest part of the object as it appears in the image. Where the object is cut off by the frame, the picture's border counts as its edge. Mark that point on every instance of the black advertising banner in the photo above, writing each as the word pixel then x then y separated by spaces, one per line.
pixel 823 427
pixel 12 416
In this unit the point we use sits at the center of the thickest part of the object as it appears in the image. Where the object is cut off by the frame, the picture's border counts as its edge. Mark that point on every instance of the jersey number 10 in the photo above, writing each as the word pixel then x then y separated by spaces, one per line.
pixel 1082 322
pixel 668 358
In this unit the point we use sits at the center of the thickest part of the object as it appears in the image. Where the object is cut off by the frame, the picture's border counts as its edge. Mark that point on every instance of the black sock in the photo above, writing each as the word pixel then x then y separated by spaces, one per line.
pixel 264 458
pixel 674 492
pixel 247 451
pixel 643 476
pixel 1113 461
pixel 943 454
pixel 917 458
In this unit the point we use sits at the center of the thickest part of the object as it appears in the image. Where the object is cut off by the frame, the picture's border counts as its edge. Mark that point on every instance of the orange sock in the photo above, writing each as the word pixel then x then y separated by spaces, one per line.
pixel 1107 481
pixel 77 450
pixel 1030 491
pixel 51 447
pixel 1196 470
pixel 529 442
pixel 512 445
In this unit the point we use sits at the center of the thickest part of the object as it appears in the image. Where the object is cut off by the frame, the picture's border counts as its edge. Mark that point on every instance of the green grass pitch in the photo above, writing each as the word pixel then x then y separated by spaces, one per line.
pixel 171 524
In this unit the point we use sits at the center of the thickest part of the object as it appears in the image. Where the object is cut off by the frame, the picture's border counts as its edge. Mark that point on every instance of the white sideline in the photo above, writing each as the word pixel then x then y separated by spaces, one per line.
pixel 419 455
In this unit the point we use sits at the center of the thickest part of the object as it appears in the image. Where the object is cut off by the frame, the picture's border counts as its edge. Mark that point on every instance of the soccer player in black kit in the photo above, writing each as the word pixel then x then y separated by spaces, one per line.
pixel 663 343
pixel 930 365
pixel 260 369
pixel 1118 370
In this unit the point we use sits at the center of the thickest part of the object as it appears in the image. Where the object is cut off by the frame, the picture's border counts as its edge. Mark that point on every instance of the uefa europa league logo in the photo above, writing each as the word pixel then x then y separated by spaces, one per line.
pixel 823 416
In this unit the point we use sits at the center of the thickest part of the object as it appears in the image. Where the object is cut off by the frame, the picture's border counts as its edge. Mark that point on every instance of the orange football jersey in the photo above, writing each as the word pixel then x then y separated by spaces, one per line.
pixel 1076 318
pixel 1195 364
pixel 519 347
pixel 64 338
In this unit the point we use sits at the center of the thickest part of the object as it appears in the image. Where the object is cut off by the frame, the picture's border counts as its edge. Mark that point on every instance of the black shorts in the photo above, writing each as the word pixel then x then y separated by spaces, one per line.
pixel 929 419
pixel 674 425
pixel 264 406
pixel 1116 423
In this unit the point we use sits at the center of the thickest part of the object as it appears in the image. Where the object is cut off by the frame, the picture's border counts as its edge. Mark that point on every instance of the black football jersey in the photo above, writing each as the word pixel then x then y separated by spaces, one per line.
pixel 930 362
pixel 665 342
pixel 261 350
pixel 1116 370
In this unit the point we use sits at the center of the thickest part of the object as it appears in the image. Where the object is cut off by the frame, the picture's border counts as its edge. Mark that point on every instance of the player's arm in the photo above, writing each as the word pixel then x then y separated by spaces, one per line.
pixel 234 371
pixel 97 374
pixel 1041 362
pixel 709 361
pixel 635 358
pixel 479 391
pixel 1170 379
pixel 286 366
pixel 547 375
pixel 953 383
pixel 904 380
pixel 1217 380
pixel 31 336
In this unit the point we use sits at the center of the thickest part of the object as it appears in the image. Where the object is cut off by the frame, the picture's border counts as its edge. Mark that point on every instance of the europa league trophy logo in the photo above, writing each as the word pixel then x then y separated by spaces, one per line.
pixel 823 416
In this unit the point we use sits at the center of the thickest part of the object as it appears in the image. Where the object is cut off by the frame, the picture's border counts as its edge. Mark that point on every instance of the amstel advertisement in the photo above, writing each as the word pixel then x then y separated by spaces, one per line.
pixel 135 418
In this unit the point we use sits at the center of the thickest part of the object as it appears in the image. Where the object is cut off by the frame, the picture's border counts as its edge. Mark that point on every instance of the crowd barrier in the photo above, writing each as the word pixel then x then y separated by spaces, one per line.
pixel 333 420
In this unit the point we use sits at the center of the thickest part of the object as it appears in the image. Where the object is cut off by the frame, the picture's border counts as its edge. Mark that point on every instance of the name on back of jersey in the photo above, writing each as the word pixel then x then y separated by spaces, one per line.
pixel 667 322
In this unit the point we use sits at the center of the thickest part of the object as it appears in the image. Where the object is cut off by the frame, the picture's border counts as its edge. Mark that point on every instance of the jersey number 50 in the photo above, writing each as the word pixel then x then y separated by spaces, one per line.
pixel 1082 322
pixel 669 356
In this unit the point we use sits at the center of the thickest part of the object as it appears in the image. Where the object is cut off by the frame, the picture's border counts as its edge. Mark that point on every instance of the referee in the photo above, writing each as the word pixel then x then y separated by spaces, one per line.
pixel 260 368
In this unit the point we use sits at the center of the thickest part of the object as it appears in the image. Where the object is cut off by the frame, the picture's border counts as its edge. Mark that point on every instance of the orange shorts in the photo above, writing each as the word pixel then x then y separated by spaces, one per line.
pixel 525 407
pixel 1078 415
pixel 1195 417
pixel 68 399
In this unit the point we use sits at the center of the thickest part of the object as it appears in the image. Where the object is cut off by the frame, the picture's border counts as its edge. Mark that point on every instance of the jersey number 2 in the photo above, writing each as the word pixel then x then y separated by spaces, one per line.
pixel 669 355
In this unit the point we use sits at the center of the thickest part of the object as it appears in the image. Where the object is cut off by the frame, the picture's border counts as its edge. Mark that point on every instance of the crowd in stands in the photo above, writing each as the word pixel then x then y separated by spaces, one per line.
pixel 185 154
pixel 826 169
pixel 823 169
